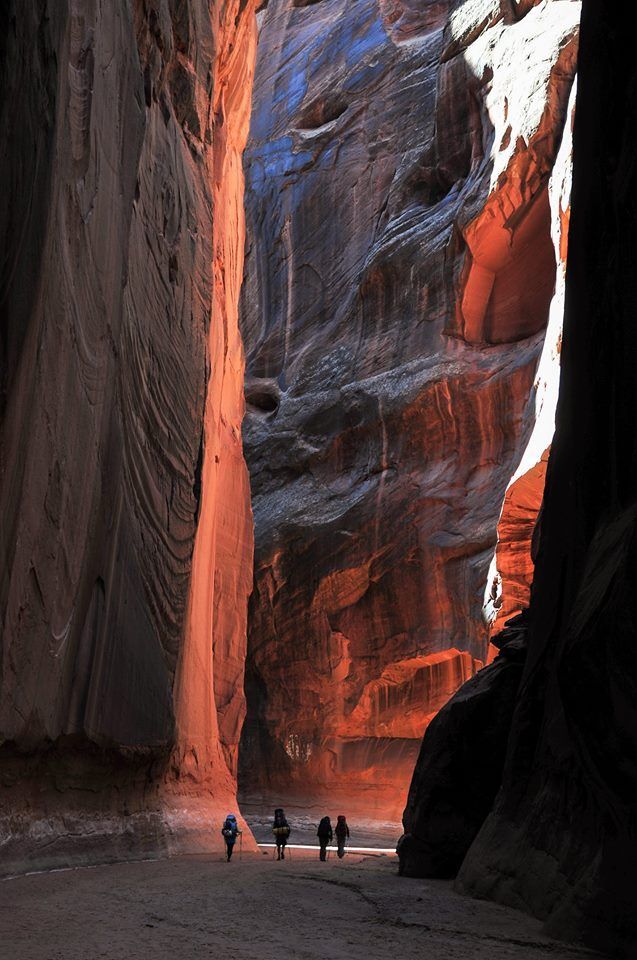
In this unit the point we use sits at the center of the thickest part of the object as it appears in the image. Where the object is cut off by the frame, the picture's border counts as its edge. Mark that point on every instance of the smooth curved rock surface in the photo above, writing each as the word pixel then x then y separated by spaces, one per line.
pixel 124 502
pixel 561 838
pixel 399 275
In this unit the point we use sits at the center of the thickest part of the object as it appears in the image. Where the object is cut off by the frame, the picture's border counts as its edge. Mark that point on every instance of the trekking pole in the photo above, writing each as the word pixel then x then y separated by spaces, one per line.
pixel 240 846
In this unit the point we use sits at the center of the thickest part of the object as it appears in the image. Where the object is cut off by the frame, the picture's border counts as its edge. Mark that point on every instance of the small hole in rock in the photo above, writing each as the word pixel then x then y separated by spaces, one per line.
pixel 428 186
pixel 322 111
pixel 173 268
pixel 262 398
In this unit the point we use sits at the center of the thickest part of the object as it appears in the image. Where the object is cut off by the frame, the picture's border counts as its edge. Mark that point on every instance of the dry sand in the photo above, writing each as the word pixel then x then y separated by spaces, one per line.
pixel 257 909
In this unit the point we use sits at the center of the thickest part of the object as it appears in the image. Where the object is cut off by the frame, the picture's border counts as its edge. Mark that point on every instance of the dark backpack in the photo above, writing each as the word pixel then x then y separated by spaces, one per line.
pixel 324 827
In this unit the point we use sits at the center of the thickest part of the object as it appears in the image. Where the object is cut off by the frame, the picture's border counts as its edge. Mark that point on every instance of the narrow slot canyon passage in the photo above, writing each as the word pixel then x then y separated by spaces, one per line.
pixel 407 198
pixel 316 480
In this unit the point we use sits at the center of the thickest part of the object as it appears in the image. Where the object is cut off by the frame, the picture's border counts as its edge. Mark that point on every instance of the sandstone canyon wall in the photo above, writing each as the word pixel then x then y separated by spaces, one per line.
pixel 518 530
pixel 566 818
pixel 126 533
pixel 559 839
pixel 399 274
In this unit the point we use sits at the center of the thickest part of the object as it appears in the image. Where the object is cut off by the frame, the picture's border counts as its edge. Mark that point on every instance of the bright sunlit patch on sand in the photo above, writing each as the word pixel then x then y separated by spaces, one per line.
pixel 312 846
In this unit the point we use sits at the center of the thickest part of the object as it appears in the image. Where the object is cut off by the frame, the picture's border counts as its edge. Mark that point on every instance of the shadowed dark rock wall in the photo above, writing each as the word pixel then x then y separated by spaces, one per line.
pixel 124 503
pixel 399 273
pixel 459 768
pixel 561 839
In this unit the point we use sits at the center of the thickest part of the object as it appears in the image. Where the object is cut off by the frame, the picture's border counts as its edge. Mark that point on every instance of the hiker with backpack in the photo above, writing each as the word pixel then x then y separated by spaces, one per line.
pixel 281 831
pixel 230 832
pixel 342 835
pixel 325 835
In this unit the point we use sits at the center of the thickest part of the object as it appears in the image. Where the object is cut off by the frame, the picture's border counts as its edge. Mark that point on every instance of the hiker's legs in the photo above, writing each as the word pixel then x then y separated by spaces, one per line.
pixel 278 851
pixel 341 849
pixel 229 849
pixel 323 849
pixel 282 851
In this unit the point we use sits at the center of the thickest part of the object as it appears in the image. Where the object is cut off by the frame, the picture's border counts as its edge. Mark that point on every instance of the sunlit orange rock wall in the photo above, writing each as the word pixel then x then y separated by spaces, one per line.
pixel 126 528
pixel 509 588
pixel 514 553
pixel 399 275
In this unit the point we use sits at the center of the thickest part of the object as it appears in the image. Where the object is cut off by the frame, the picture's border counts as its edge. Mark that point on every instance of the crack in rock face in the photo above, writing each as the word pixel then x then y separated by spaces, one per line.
pixel 397 289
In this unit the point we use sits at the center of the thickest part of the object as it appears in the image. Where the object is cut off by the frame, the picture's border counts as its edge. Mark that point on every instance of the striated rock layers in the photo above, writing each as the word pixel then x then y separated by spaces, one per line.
pixel 399 275
pixel 125 519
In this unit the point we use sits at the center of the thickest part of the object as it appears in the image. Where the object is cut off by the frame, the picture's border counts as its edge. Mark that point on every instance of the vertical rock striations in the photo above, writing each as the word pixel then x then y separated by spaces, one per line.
pixel 399 274
pixel 125 517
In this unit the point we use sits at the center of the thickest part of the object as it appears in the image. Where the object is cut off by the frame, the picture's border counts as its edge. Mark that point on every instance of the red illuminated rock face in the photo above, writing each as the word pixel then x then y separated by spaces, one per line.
pixel 509 588
pixel 514 553
pixel 395 704
pixel 126 528
pixel 399 276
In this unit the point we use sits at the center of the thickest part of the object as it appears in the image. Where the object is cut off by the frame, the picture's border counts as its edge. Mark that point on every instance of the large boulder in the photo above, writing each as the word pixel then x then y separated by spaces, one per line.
pixel 459 769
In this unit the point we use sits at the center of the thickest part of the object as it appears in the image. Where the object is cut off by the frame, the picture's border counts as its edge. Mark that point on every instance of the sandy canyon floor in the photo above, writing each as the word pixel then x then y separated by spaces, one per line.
pixel 256 908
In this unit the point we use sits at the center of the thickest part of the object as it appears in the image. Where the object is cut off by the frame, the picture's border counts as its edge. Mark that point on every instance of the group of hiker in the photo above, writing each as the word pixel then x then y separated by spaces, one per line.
pixel 325 834
pixel 281 830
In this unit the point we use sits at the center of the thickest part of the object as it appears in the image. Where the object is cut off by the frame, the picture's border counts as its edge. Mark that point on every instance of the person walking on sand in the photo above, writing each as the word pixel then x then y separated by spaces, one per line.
pixel 342 835
pixel 281 831
pixel 230 831
pixel 325 835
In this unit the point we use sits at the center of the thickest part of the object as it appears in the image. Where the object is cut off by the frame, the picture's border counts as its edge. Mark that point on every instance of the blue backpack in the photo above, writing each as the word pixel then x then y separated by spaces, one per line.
pixel 230 829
